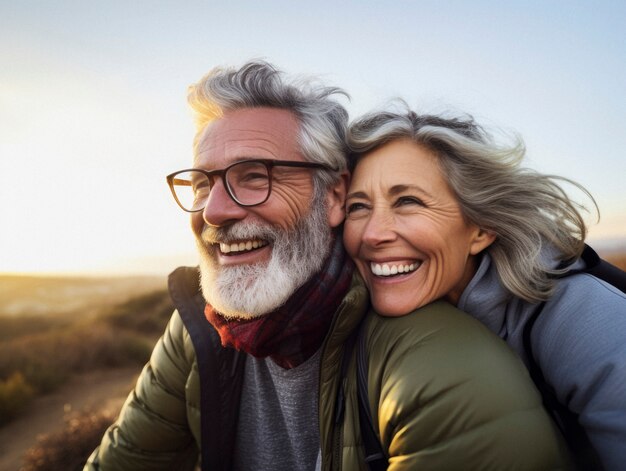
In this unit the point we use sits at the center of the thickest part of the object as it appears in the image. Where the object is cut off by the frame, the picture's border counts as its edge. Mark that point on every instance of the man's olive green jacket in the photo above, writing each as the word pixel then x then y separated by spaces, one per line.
pixel 444 393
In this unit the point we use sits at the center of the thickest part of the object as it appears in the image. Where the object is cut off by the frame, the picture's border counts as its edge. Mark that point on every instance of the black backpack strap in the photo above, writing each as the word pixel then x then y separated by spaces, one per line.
pixel 220 370
pixel 340 403
pixel 598 267
pixel 585 456
pixel 375 456
pixel 604 270
pixel 533 368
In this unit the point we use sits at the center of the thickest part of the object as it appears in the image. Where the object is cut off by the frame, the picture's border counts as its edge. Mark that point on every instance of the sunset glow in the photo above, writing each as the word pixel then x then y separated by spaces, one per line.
pixel 93 110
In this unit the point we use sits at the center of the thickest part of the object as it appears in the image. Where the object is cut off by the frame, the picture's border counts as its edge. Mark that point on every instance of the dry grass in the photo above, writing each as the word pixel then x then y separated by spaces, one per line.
pixel 47 359
pixel 40 360
pixel 15 394
pixel 69 448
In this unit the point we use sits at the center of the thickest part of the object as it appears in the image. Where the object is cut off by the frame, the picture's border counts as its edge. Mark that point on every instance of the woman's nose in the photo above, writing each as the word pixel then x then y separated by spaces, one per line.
pixel 380 228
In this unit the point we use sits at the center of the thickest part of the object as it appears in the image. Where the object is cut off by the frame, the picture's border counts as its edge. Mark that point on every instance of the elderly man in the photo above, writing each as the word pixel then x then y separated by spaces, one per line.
pixel 248 372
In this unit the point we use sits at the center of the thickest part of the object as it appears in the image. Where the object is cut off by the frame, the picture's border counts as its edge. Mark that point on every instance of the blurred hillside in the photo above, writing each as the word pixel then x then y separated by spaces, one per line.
pixel 69 332
pixel 22 295
pixel 54 328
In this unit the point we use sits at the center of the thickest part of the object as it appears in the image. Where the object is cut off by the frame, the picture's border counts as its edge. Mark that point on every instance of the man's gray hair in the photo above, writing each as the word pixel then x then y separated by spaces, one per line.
pixel 256 84
pixel 525 209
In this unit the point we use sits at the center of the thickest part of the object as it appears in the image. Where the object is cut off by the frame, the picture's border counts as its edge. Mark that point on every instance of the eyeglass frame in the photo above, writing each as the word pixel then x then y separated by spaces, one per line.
pixel 268 163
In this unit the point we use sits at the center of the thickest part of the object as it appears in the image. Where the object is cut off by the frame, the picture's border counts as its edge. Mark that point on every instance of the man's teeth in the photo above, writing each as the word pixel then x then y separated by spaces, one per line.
pixel 241 246
pixel 390 270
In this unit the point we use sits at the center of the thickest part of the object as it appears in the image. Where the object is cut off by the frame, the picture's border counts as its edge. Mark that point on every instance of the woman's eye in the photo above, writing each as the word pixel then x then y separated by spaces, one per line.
pixel 352 207
pixel 409 201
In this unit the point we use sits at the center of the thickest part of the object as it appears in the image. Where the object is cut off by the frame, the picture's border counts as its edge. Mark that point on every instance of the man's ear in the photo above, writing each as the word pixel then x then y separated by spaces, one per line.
pixel 482 239
pixel 336 200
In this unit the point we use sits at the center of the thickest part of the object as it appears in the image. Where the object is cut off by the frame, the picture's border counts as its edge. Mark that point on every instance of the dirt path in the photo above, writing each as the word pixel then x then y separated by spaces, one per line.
pixel 103 389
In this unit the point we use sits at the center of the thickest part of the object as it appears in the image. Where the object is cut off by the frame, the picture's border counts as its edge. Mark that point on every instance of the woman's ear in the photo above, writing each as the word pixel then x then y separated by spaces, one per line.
pixel 336 200
pixel 482 239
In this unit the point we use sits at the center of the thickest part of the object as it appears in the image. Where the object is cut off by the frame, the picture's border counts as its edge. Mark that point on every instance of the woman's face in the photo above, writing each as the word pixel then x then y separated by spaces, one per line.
pixel 405 231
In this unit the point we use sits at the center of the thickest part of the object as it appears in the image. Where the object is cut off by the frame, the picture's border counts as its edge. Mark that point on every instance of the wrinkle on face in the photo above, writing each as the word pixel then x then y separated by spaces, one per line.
pixel 249 133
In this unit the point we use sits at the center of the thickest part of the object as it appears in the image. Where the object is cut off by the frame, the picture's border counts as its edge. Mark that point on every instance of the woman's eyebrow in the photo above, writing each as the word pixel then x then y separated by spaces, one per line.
pixel 357 194
pixel 397 189
pixel 393 191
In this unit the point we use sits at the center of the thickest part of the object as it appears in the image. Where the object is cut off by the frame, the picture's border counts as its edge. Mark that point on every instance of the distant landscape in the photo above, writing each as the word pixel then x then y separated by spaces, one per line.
pixel 66 296
pixel 53 329
pixel 616 258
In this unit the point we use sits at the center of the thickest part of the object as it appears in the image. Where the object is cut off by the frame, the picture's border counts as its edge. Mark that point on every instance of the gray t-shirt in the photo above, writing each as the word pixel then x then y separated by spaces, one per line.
pixel 278 418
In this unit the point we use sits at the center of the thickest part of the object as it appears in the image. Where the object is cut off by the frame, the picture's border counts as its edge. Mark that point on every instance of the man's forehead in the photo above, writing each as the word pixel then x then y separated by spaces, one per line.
pixel 251 132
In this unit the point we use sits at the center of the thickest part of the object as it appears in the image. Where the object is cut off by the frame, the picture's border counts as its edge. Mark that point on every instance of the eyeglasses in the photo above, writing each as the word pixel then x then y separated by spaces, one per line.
pixel 248 183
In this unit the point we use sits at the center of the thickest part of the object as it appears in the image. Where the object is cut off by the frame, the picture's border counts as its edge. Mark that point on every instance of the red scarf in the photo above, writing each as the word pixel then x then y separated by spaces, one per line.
pixel 291 334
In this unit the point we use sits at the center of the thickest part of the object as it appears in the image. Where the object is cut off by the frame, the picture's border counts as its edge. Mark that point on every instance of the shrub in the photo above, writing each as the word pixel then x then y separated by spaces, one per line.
pixel 69 448
pixel 14 327
pixel 43 360
pixel 147 314
pixel 15 394
pixel 46 360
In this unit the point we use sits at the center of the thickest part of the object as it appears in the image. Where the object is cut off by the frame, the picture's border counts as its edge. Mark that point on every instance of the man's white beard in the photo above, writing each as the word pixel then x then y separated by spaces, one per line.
pixel 252 290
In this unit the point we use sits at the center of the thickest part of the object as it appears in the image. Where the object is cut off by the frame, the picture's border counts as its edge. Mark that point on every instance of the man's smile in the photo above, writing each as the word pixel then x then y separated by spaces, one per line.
pixel 241 246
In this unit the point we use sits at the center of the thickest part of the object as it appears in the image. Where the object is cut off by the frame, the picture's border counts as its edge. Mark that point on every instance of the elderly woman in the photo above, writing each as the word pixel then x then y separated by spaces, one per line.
pixel 436 209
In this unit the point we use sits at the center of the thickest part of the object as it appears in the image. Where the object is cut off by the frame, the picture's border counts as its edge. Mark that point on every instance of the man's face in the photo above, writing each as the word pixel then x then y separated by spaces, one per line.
pixel 253 258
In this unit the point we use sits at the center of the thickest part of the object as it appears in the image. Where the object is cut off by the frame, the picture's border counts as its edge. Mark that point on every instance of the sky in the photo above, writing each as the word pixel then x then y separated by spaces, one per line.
pixel 93 110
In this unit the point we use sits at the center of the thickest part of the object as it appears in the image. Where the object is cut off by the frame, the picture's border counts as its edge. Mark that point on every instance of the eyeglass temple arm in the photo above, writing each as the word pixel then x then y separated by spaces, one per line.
pixel 180 182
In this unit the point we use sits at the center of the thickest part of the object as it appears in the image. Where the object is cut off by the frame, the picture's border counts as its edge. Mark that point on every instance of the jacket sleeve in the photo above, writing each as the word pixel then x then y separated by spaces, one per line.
pixel 579 343
pixel 152 431
pixel 447 394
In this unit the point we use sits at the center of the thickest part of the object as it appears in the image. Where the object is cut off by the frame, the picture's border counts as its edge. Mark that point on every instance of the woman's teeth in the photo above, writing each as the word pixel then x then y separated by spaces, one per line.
pixel 242 246
pixel 390 270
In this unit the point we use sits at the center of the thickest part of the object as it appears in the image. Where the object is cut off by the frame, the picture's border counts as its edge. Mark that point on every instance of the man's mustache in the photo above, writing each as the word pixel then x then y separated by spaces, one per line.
pixel 238 231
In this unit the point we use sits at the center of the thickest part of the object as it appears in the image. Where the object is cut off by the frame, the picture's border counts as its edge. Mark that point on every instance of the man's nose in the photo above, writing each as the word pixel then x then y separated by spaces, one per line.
pixel 380 228
pixel 220 208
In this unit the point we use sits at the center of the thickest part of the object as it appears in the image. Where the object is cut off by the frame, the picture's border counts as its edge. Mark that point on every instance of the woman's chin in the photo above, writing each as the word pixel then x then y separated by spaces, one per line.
pixel 390 306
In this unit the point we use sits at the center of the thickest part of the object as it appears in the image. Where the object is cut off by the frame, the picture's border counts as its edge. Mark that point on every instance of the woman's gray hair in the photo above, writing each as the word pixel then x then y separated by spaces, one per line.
pixel 323 121
pixel 525 209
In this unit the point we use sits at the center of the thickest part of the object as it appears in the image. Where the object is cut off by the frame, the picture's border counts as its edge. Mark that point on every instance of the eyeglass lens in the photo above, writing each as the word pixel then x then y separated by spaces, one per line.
pixel 247 182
